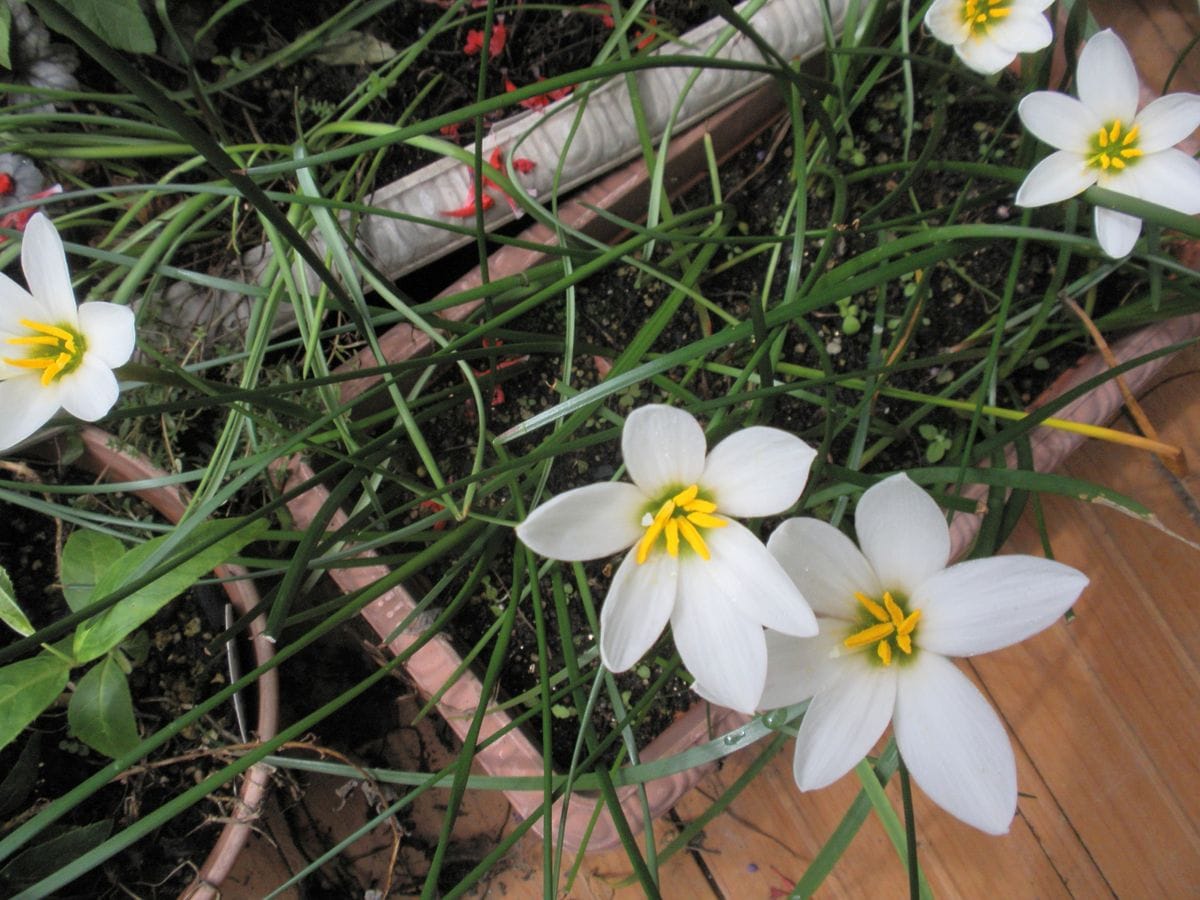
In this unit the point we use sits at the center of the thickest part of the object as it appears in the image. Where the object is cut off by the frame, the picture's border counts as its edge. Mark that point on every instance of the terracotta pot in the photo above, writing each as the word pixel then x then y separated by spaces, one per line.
pixel 432 667
pixel 104 457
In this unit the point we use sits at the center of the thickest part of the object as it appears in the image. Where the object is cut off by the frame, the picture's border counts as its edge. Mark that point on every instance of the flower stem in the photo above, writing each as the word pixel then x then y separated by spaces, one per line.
pixel 910 833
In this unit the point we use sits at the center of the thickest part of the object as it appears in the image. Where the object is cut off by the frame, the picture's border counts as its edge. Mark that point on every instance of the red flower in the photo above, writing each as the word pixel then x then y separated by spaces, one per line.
pixel 475 41
pixel 468 208
pixel 19 219
pixel 541 100
pixel 606 18
pixel 496 161
pixel 432 506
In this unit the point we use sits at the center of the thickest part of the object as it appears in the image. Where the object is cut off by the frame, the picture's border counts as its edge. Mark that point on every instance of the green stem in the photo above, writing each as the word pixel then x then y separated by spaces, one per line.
pixel 910 833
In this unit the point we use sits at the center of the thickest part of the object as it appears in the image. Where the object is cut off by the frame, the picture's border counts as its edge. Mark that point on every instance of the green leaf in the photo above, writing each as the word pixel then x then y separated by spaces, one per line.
pixel 98 635
pixel 119 23
pixel 49 856
pixel 85 557
pixel 28 687
pixel 19 782
pixel 5 35
pixel 101 710
pixel 10 611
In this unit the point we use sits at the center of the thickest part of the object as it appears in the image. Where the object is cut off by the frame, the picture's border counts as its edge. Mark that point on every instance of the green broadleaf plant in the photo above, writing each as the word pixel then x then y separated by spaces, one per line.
pixel 10 611
pixel 101 709
pixel 85 557
pixel 121 23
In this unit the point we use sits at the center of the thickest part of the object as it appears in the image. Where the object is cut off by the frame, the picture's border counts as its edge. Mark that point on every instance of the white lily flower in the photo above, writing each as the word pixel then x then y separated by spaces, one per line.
pixel 988 34
pixel 54 354
pixel 891 615
pixel 1101 138
pixel 692 563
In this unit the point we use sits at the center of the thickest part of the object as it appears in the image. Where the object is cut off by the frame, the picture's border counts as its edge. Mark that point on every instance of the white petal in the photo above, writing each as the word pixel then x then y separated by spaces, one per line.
pixel 1116 231
pixel 663 447
pixel 799 668
pixel 637 607
pixel 757 472
pixel 45 264
pixel 902 532
pixel 985 604
pixel 825 564
pixel 109 331
pixel 984 55
pixel 15 304
pixel 946 23
pixel 954 744
pixel 1058 177
pixel 725 652
pixel 1060 121
pixel 590 522
pixel 25 406
pixel 843 723
pixel 1023 30
pixel 1106 79
pixel 743 575
pixel 1169 178
pixel 90 391
pixel 1167 121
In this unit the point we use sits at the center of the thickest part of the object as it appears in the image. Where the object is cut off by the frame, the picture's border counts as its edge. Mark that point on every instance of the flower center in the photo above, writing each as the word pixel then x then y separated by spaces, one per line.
pixel 681 515
pixel 980 15
pixel 1113 147
pixel 885 625
pixel 55 349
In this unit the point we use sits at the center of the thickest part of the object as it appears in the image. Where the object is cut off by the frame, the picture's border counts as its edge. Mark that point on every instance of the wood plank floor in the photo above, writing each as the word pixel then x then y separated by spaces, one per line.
pixel 1103 711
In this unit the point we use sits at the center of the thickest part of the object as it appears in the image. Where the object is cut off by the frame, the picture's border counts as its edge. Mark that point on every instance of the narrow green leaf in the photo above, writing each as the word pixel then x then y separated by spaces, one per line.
pixel 26 688
pixel 100 634
pixel 10 611
pixel 48 857
pixel 85 557
pixel 119 23
pixel 5 35
pixel 101 710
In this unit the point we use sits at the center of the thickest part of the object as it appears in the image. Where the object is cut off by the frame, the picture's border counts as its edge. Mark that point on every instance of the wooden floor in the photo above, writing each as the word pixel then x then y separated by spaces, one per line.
pixel 1103 712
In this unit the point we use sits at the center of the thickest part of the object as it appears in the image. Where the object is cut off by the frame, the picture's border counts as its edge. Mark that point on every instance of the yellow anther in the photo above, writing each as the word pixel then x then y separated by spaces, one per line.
pixel 903 641
pixel 894 612
pixel 978 14
pixel 701 506
pixel 870 635
pixel 906 627
pixel 672 533
pixel 1114 149
pixel 704 520
pixel 1131 135
pixel 693 538
pixel 872 607
pixel 686 496
pixel 885 652
pixel 1115 131
pixel 654 529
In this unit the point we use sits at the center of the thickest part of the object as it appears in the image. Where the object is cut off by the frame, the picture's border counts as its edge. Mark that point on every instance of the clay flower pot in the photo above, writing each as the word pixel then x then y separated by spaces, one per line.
pixel 104 457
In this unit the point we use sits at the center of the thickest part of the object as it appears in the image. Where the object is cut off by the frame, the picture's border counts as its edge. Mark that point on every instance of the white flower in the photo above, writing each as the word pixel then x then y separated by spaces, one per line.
pixel 710 576
pixel 1102 139
pixel 52 353
pixel 988 34
pixel 890 616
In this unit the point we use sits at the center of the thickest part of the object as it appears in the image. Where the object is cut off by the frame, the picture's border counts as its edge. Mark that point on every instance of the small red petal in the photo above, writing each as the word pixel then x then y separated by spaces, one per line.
pixel 6 183
pixel 523 165
pixel 499 37
pixel 474 42
pixel 468 209
pixel 450 130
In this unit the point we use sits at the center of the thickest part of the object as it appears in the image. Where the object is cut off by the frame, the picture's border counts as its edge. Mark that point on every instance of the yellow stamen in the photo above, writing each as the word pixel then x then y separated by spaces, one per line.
pixel 872 607
pixel 693 538
pixel 65 350
pixel 870 635
pixel 1113 148
pixel 892 627
pixel 681 517
pixel 979 15
pixel 672 532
